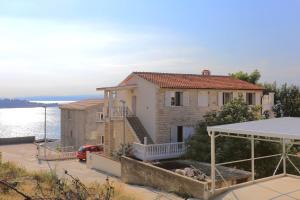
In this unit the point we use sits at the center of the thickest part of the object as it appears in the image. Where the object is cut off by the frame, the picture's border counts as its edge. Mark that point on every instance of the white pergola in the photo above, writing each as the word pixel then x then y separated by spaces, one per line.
pixel 282 130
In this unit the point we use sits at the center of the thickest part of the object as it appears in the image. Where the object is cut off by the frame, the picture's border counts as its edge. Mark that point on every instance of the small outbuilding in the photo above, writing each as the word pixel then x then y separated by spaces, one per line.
pixel 82 122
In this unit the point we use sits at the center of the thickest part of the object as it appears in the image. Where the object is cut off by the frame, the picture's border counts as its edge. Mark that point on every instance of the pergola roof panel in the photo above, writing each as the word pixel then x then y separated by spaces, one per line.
pixel 286 127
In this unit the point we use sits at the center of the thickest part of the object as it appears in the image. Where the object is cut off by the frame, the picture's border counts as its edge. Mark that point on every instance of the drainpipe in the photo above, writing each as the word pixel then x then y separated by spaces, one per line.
pixel 124 120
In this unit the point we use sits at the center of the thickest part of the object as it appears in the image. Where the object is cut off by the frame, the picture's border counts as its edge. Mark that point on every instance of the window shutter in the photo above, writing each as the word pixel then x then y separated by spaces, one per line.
pixel 235 95
pixel 257 98
pixel 173 134
pixel 188 132
pixel 186 99
pixel 203 98
pixel 220 98
pixel 168 98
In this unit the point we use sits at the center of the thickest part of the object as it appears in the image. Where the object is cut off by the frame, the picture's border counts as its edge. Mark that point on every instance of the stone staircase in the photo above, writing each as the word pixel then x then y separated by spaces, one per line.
pixel 139 129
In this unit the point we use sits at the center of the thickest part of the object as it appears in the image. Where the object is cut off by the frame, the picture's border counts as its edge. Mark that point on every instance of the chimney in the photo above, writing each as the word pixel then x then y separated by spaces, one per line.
pixel 205 72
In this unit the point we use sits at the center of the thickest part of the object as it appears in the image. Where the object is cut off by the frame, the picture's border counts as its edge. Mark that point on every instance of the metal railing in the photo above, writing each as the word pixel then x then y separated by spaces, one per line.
pixel 158 151
pixel 120 112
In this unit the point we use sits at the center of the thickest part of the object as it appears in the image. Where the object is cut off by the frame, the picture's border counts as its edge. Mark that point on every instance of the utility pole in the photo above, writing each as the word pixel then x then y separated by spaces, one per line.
pixel 45 131
pixel 124 118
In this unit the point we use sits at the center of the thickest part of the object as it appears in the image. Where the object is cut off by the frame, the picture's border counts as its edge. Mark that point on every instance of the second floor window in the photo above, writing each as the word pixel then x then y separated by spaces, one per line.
pixel 177 99
pixel 227 97
pixel 100 116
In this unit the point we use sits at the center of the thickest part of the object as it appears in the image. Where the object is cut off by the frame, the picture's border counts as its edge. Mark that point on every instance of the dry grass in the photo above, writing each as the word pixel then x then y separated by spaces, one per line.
pixel 42 184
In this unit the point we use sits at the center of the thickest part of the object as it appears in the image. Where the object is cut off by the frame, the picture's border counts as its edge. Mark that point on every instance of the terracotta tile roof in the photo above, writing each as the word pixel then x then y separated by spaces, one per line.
pixel 194 81
pixel 82 105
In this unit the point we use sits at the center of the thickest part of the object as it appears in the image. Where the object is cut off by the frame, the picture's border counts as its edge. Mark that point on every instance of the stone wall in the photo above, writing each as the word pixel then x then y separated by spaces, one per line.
pixel 140 173
pixel 114 135
pixel 168 116
pixel 187 115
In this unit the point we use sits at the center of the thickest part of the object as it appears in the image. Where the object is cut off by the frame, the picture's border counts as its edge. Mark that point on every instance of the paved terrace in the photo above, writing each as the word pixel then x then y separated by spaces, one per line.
pixel 285 188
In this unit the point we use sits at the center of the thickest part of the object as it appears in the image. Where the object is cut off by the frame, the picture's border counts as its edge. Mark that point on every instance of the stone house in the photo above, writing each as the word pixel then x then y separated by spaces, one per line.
pixel 165 107
pixel 82 122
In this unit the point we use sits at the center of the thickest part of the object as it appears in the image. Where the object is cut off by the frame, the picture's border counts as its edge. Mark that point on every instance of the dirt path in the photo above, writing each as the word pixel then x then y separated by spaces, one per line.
pixel 25 155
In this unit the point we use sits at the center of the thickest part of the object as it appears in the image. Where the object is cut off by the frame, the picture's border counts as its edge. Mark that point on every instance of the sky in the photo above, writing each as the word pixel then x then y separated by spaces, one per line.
pixel 70 47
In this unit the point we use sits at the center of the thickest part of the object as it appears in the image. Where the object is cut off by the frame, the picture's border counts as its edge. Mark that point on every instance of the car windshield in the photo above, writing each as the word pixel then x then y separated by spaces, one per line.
pixel 81 149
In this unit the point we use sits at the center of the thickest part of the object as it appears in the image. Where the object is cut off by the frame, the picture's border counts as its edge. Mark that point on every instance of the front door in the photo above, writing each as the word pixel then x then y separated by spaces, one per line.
pixel 133 104
pixel 179 134
pixel 176 134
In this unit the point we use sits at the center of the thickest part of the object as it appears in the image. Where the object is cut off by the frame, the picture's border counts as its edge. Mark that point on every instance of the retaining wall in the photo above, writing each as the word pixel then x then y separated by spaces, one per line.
pixel 17 140
pixel 104 164
pixel 140 173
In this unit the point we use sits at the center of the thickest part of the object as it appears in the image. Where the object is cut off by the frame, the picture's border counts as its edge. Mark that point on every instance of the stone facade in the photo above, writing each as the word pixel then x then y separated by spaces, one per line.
pixel 114 133
pixel 148 101
pixel 80 127
pixel 187 115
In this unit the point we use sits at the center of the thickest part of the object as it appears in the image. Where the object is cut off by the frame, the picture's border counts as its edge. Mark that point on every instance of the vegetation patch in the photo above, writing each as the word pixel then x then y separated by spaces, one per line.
pixel 17 183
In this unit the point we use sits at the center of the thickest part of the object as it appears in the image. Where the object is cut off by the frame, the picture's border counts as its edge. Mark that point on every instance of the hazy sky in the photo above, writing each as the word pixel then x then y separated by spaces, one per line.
pixel 61 47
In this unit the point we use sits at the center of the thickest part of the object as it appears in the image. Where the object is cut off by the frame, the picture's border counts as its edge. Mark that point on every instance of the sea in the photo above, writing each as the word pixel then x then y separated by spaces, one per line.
pixel 19 122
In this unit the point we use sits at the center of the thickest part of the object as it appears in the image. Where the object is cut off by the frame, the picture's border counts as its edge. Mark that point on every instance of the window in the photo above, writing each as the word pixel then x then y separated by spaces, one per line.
pixel 177 99
pixel 227 97
pixel 71 133
pixel 113 94
pixel 250 98
pixel 100 117
pixel 102 139
pixel 203 99
pixel 69 115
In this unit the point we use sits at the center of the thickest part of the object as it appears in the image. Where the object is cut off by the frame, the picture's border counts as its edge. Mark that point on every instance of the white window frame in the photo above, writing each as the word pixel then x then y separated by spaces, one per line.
pixel 100 117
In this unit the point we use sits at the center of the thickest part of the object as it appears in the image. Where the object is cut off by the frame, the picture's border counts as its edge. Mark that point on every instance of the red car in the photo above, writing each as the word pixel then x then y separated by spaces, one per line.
pixel 81 153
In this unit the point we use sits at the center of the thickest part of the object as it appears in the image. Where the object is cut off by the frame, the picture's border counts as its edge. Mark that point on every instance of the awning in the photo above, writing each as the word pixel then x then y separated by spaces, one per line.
pixel 286 127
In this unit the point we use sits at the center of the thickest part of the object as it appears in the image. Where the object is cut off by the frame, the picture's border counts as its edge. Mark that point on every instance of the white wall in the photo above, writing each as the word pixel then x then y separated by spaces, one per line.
pixel 146 105
pixel 104 164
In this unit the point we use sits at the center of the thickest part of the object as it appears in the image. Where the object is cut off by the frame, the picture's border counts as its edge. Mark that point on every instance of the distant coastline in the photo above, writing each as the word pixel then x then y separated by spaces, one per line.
pixel 17 103
pixel 41 101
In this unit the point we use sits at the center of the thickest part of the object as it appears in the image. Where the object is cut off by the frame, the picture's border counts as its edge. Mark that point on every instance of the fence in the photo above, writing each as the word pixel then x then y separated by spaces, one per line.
pixel 158 151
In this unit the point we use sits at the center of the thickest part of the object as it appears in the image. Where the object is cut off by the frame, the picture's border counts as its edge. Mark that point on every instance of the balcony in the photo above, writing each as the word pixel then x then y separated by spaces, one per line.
pixel 158 151
pixel 120 112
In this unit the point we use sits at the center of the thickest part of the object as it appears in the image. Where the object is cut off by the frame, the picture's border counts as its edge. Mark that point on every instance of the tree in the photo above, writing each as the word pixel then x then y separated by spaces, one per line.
pixel 251 78
pixel 229 149
pixel 289 98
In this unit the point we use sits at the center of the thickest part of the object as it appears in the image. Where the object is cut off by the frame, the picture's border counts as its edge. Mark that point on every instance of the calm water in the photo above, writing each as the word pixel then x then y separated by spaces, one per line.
pixel 18 122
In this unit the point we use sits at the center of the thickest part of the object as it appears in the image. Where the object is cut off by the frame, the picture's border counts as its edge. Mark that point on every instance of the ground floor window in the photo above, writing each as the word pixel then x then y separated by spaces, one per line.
pixel 102 139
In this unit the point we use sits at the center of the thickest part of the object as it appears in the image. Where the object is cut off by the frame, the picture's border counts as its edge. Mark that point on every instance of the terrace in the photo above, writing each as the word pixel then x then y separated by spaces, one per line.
pixel 281 184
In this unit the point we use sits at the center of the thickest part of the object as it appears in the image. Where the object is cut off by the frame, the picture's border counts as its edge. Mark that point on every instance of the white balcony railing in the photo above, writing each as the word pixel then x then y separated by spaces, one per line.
pixel 158 151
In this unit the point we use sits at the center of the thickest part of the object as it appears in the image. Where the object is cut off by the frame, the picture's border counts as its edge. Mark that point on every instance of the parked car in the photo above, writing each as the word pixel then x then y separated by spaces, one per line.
pixel 81 153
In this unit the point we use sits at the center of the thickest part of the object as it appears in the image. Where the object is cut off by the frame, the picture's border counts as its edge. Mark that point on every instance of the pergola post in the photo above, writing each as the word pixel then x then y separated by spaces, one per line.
pixel 213 162
pixel 252 158
pixel 284 156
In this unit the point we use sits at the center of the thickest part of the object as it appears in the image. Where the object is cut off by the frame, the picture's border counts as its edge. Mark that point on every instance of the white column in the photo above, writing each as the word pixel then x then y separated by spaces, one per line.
pixel 213 162
pixel 252 158
pixel 284 156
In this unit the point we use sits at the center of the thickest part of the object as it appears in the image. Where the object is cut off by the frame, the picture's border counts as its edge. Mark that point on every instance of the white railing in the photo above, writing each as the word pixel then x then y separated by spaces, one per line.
pixel 158 151
pixel 45 153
